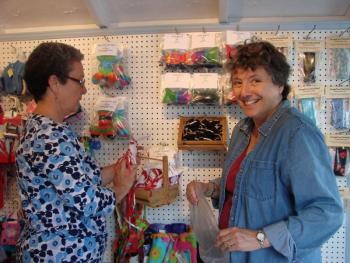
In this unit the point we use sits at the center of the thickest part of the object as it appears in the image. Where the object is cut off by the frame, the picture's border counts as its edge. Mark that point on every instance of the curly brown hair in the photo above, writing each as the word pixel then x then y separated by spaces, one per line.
pixel 263 54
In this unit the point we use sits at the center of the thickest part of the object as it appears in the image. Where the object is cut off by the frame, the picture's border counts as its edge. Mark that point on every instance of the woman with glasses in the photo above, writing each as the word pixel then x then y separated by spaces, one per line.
pixel 277 198
pixel 63 193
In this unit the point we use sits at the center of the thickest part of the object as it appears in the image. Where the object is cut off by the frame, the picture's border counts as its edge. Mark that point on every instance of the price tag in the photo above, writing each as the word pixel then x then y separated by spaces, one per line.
pixel 176 41
pixel 205 80
pixel 203 40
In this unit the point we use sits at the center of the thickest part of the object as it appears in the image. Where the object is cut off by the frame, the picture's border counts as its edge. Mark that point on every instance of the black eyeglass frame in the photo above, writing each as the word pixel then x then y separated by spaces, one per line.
pixel 81 82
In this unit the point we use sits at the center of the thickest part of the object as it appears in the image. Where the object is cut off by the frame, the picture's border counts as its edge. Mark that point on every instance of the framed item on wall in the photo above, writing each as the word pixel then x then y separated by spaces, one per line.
pixel 203 133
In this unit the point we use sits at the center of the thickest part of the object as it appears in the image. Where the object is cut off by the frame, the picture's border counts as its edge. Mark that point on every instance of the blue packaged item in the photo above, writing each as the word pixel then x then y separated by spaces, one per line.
pixel 13 78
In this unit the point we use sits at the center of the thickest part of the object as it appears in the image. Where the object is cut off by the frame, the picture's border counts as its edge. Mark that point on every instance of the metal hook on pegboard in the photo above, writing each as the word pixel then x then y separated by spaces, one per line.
pixel 278 30
pixel 106 38
pixel 308 35
pixel 14 49
pixel 342 33
pixel 344 81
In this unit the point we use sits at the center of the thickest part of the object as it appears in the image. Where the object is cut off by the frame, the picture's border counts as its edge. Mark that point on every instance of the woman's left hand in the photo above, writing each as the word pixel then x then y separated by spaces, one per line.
pixel 124 178
pixel 237 239
pixel 124 175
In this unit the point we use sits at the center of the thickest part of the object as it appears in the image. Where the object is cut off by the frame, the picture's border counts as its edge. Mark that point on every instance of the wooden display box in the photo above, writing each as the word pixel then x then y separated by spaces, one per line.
pixel 203 145
pixel 159 196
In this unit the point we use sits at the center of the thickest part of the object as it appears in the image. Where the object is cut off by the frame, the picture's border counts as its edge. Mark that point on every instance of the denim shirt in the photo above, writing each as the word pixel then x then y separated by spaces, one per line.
pixel 285 186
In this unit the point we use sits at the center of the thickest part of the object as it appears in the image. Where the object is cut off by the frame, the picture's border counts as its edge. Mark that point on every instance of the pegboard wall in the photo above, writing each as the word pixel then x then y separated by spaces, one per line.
pixel 159 123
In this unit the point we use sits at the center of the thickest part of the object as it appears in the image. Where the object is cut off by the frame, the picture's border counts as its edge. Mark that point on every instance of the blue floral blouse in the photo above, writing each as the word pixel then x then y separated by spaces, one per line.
pixel 62 197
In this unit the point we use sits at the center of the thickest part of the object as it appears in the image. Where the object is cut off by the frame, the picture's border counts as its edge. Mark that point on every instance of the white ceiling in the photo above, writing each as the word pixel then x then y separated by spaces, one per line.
pixel 23 16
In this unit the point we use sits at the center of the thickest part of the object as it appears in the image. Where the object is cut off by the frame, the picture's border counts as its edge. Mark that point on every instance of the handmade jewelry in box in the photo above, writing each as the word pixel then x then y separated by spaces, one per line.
pixel 203 133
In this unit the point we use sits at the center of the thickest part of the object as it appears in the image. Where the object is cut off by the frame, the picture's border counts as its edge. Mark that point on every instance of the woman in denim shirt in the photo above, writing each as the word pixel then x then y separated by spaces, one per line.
pixel 277 197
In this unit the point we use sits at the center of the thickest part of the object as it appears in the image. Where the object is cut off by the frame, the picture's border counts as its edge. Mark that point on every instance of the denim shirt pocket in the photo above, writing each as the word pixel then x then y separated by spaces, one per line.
pixel 260 182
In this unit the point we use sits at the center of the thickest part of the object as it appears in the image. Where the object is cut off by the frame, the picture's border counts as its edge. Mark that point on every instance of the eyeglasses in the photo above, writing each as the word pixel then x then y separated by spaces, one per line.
pixel 81 82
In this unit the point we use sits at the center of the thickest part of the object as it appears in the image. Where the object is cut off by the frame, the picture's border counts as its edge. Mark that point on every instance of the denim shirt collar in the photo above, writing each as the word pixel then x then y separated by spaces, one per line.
pixel 266 127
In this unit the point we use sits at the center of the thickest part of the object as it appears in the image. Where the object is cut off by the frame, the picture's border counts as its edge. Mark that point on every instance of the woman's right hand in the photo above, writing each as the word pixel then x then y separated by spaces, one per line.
pixel 195 189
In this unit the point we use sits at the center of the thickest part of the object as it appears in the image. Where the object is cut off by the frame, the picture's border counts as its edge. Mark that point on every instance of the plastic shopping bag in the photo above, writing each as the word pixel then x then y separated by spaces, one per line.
pixel 206 229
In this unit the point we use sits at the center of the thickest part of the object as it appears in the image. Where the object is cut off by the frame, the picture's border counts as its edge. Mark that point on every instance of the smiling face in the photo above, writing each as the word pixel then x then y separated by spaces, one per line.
pixel 256 94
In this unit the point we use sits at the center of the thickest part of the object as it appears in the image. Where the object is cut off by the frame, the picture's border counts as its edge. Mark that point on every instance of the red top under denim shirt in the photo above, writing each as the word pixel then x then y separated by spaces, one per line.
pixel 229 189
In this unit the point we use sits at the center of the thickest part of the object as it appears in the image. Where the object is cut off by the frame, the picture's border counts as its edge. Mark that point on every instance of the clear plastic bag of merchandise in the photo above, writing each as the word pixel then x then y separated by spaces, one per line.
pixel 206 89
pixel 176 88
pixel 175 50
pixel 206 229
pixel 110 119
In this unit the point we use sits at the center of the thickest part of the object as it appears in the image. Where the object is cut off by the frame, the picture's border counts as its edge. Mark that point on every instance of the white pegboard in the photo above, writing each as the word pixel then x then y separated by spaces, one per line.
pixel 334 249
pixel 148 117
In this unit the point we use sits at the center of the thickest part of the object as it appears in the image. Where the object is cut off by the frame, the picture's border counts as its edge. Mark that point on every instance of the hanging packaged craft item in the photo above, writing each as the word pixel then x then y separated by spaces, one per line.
pixel 110 119
pixel 337 102
pixel 154 187
pixel 176 88
pixel 111 74
pixel 309 59
pixel 339 146
pixel 202 133
pixel 309 101
pixel 205 49
pixel 340 117
pixel 340 157
pixel 308 107
pixel 12 77
pixel 196 89
pixel 175 50
pixel 205 89
pixel 338 58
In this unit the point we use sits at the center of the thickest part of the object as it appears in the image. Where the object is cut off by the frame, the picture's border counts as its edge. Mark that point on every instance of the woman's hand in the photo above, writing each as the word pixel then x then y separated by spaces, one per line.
pixel 195 189
pixel 238 239
pixel 124 178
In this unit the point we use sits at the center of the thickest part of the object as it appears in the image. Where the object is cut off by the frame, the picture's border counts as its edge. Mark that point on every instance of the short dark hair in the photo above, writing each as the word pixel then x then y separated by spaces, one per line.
pixel 48 59
pixel 263 54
